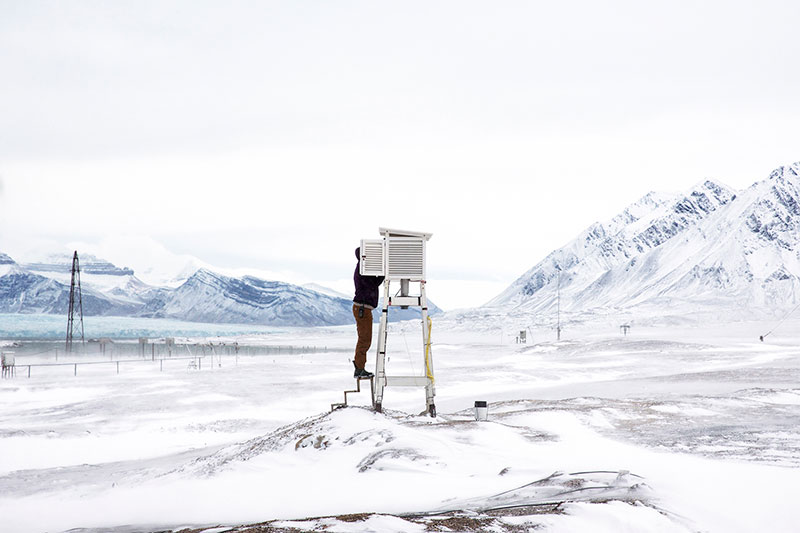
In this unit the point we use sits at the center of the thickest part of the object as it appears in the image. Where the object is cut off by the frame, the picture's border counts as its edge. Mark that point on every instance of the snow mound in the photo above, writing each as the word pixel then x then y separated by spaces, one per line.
pixel 365 439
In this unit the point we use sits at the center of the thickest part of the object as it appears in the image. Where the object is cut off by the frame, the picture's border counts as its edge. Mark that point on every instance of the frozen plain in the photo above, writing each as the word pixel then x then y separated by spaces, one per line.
pixel 705 419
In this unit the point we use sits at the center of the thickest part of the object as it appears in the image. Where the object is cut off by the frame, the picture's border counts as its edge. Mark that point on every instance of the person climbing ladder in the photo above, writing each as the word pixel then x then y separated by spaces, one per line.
pixel 365 300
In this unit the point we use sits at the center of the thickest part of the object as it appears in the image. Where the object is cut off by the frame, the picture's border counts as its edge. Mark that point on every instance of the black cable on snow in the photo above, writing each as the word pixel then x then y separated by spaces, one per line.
pixel 764 336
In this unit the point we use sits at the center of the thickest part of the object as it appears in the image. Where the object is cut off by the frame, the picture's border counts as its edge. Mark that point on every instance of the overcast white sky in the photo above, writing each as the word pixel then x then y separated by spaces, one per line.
pixel 275 135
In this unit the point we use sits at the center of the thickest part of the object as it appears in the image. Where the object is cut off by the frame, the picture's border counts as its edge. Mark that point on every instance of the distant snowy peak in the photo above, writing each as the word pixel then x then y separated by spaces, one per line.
pixel 325 290
pixel 643 226
pixel 198 294
pixel 773 212
pixel 786 173
pixel 708 242
pixel 211 297
pixel 189 268
pixel 668 217
pixel 674 216
pixel 23 291
pixel 645 205
pixel 206 296
pixel 88 263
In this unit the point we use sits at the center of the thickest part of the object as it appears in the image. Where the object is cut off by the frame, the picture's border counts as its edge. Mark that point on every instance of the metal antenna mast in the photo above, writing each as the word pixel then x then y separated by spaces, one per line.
pixel 74 290
pixel 558 303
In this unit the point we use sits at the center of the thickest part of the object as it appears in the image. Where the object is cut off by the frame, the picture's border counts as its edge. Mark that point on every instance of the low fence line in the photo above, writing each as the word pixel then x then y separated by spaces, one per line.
pixel 149 352
pixel 161 349
pixel 198 360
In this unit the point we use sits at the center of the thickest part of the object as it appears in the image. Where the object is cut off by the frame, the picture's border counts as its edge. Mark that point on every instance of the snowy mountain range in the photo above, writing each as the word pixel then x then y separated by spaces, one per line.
pixel 210 297
pixel 206 296
pixel 709 246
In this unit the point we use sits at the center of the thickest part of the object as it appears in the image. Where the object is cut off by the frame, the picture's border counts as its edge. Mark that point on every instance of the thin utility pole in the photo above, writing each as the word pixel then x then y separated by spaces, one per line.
pixel 558 304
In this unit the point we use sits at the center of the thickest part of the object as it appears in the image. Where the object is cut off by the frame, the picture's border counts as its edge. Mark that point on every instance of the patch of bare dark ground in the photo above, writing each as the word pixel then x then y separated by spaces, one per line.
pixel 450 521
pixel 459 521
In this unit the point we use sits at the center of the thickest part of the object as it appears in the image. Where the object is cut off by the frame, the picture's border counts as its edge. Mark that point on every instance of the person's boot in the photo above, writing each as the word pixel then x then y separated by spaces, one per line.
pixel 361 373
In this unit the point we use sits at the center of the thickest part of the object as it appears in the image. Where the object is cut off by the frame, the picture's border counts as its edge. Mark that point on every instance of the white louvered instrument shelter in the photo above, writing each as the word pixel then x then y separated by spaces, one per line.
pixel 400 255
pixel 373 257
pixel 405 258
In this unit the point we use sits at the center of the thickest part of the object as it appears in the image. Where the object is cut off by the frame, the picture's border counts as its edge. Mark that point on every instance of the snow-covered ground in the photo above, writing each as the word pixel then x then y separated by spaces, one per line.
pixel 667 429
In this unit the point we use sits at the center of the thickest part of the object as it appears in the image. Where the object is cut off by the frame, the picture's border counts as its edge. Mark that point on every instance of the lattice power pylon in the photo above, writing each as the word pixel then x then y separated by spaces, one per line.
pixel 74 297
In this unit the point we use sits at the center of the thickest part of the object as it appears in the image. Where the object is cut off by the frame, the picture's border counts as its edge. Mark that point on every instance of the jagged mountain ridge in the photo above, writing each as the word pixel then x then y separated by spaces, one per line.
pixel 22 291
pixel 710 246
pixel 206 296
pixel 210 297
pixel 89 264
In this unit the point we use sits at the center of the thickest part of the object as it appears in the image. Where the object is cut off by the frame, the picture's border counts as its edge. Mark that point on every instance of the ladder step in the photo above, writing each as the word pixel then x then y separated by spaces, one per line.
pixel 407 381
pixel 405 301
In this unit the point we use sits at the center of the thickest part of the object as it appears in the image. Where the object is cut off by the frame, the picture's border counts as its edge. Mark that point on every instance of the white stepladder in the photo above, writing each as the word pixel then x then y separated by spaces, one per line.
pixel 400 256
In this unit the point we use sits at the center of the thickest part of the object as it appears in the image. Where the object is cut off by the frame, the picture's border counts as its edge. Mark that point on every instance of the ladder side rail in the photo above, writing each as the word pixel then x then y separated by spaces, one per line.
pixel 430 391
pixel 380 358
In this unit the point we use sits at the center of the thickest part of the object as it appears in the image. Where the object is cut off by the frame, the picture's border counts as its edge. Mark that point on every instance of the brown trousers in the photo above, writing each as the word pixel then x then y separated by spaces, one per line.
pixel 364 328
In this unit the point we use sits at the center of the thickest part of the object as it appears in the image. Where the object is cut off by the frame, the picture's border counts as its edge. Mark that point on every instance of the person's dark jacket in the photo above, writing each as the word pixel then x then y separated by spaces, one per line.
pixel 366 286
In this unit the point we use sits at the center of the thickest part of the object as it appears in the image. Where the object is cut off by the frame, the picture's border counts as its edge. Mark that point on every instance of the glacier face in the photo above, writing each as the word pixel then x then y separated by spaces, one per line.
pixel 709 246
